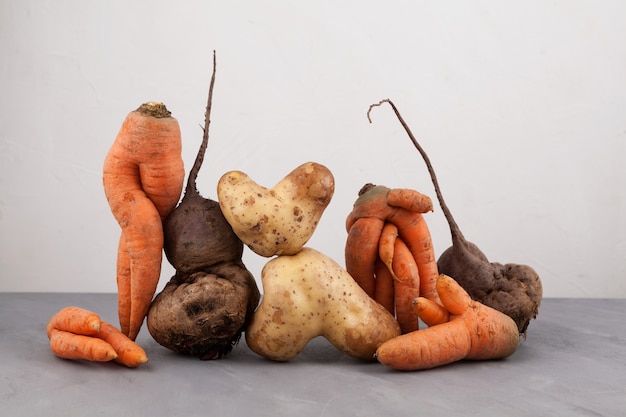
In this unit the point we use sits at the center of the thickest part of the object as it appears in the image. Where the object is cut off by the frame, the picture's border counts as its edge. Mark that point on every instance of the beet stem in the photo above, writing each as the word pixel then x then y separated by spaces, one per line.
pixel 193 174
pixel 455 231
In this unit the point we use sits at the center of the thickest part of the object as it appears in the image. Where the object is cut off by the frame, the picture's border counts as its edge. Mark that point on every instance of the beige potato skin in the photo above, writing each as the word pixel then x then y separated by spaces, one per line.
pixel 308 295
pixel 278 220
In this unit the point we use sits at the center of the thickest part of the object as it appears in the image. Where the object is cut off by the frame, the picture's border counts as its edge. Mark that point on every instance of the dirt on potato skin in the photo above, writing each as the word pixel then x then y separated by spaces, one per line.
pixel 204 313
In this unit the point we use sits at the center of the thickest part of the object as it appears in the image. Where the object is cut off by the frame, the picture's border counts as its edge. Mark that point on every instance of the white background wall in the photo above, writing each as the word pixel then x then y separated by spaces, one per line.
pixel 521 106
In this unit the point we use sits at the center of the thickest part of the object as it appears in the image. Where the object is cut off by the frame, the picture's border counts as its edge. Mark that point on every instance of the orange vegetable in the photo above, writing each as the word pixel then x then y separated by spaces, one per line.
pixel 128 352
pixel 362 251
pixel 143 177
pixel 474 332
pixel 386 243
pixel 406 286
pixel 430 312
pixel 75 320
pixel 379 218
pixel 76 333
pixel 413 230
pixel 384 286
pixel 69 345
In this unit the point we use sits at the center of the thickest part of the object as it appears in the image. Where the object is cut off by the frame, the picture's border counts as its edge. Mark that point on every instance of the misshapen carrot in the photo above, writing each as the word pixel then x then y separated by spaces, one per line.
pixel 474 332
pixel 143 177
pixel 430 312
pixel 384 286
pixel 361 251
pixel 406 286
pixel 413 230
pixel 74 320
pixel 128 352
pixel 386 243
pixel 69 345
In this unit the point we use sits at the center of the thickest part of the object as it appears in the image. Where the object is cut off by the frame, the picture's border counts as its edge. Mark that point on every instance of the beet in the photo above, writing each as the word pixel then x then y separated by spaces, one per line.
pixel 205 306
pixel 196 232
pixel 513 289
pixel 204 313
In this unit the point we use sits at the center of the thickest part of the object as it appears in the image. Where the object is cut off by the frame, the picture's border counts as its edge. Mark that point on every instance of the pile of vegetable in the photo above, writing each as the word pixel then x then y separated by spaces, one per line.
pixel 370 310
pixel 305 293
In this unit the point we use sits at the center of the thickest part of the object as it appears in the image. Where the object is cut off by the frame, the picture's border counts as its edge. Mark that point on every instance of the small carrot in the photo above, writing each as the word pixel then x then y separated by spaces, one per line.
pixel 406 286
pixel 74 320
pixel 409 200
pixel 128 352
pixel 69 345
pixel 474 332
pixel 143 177
pixel 387 239
pixel 430 312
pixel 384 286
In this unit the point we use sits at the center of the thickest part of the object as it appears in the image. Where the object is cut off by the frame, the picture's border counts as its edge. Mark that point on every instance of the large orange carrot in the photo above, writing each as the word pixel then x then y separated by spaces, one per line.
pixel 128 352
pixel 74 320
pixel 143 177
pixel 361 251
pixel 406 286
pixel 69 345
pixel 474 332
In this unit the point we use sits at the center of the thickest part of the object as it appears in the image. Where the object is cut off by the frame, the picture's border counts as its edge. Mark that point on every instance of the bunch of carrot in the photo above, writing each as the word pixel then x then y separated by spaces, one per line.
pixel 389 253
pixel 76 333
pixel 143 178
pixel 389 250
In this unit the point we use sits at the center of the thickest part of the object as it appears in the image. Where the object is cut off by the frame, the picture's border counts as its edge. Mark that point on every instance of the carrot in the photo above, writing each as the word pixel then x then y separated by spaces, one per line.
pixel 361 251
pixel 387 239
pixel 430 312
pixel 384 286
pixel 128 352
pixel 373 201
pixel 69 345
pixel 409 200
pixel 413 230
pixel 75 320
pixel 143 177
pixel 406 286
pixel 474 332
pixel 123 285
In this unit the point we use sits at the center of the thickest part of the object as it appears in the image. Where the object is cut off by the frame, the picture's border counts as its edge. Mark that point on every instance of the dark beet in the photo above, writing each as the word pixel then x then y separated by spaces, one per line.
pixel 204 313
pixel 513 289
pixel 206 305
pixel 196 233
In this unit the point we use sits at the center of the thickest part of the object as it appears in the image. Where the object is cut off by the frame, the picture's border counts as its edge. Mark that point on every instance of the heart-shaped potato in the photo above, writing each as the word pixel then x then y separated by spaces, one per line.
pixel 278 220
pixel 308 295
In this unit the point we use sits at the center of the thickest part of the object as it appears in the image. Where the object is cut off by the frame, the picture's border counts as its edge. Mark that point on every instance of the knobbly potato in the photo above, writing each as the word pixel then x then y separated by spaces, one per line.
pixel 278 220
pixel 308 295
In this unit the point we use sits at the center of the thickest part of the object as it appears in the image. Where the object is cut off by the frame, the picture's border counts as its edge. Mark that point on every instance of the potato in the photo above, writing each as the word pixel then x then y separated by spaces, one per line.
pixel 308 295
pixel 279 220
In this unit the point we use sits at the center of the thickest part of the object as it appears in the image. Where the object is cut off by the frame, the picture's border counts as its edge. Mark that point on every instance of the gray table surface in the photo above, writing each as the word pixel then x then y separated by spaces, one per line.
pixel 573 363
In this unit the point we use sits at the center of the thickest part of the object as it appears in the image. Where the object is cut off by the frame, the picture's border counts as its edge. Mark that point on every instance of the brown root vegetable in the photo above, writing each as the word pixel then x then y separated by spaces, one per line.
pixel 204 308
pixel 196 233
pixel 513 289
pixel 204 313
